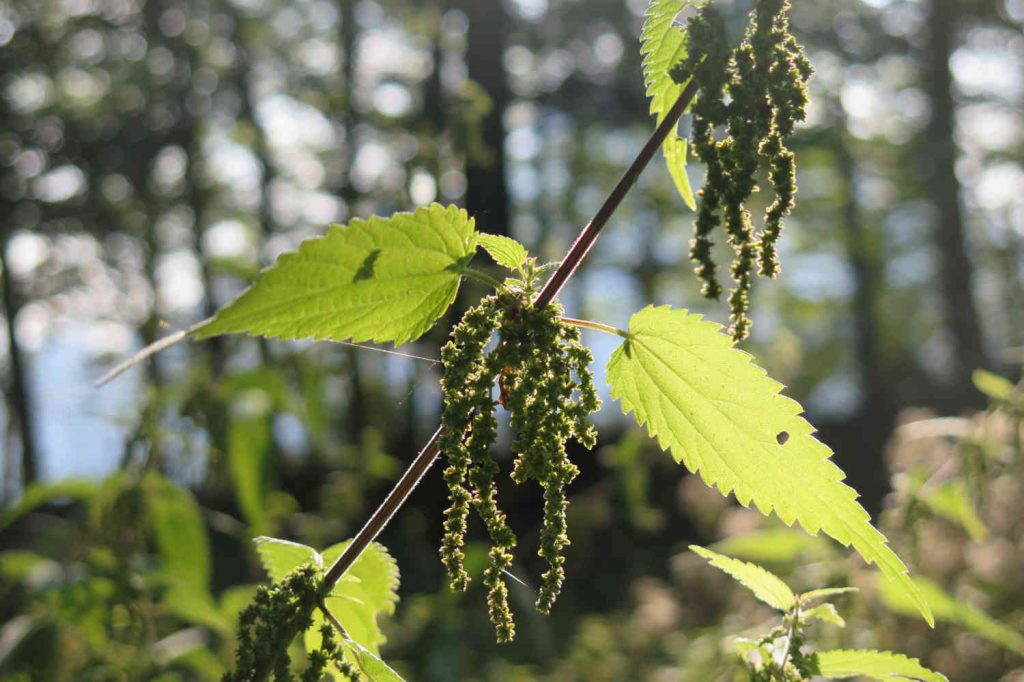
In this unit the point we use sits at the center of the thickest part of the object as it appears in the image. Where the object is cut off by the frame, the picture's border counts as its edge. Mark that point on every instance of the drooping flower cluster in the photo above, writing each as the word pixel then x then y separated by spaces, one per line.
pixel 756 92
pixel 267 626
pixel 544 380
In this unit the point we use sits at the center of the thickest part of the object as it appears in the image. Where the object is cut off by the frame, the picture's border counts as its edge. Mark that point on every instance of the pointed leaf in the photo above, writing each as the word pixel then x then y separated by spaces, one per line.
pixel 825 612
pixel 811 595
pixel 765 585
pixel 947 609
pixel 992 385
pixel 179 531
pixel 38 494
pixel 878 665
pixel 281 557
pixel 721 416
pixel 505 251
pixel 248 453
pixel 663 45
pixel 951 501
pixel 357 604
pixel 382 279
pixel 374 668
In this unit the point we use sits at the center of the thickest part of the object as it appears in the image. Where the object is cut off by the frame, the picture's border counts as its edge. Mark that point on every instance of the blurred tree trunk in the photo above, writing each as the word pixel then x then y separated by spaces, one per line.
pixel 876 413
pixel 487 197
pixel 944 191
pixel 356 412
pixel 19 398
pixel 19 405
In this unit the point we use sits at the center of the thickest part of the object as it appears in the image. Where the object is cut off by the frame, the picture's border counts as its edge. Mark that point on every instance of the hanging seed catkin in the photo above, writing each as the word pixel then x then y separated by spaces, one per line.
pixel 755 93
pixel 542 370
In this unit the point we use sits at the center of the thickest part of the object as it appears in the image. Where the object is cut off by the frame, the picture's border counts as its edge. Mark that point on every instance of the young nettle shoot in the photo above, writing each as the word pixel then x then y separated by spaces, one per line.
pixel 784 655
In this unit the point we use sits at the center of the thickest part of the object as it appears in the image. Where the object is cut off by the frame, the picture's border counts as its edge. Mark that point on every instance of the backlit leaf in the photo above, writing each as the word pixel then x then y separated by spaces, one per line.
pixel 368 589
pixel 358 604
pixel 382 279
pixel 823 592
pixel 374 668
pixel 505 251
pixel 281 557
pixel 992 385
pixel 878 665
pixel 663 45
pixel 765 585
pixel 721 416
pixel 825 612
pixel 951 501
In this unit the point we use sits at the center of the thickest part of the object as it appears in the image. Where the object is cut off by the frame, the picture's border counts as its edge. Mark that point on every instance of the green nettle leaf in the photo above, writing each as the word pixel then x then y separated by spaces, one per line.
pixel 505 251
pixel 992 385
pixel 382 279
pixel 184 550
pixel 823 592
pixel 878 665
pixel 950 610
pixel 951 501
pixel 357 605
pixel 281 557
pixel 367 590
pixel 765 585
pixel 374 668
pixel 39 494
pixel 663 45
pixel 826 613
pixel 721 416
pixel 248 449
pixel 179 532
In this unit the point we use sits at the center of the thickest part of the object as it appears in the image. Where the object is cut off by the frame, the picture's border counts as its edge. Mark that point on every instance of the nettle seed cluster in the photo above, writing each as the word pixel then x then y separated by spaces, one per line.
pixel 545 383
pixel 755 92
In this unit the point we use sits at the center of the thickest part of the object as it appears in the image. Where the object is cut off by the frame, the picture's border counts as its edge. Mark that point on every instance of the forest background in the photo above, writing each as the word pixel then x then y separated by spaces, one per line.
pixel 155 155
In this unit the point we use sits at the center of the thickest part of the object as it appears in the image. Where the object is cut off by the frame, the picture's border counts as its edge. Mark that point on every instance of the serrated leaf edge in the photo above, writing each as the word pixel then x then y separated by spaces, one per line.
pixel 886 560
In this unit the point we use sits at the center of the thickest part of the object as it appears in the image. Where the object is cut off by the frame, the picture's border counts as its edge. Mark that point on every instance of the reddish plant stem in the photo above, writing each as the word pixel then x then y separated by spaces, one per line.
pixel 577 252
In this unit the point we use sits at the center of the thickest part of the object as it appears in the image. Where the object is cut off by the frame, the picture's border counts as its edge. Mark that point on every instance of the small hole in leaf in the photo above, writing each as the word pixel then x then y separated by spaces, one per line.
pixel 782 437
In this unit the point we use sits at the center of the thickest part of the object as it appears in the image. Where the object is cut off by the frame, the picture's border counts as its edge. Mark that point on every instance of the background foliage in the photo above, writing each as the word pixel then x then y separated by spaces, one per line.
pixel 154 155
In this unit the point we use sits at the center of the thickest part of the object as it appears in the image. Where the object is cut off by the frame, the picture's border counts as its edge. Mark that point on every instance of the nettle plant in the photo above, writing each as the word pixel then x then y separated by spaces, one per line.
pixel 780 654
pixel 705 401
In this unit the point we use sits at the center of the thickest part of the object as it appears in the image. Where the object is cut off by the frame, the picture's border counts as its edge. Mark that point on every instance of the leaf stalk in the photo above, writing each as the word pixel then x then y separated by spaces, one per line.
pixel 598 326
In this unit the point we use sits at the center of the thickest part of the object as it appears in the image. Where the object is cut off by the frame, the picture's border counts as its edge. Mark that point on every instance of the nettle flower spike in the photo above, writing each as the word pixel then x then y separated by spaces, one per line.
pixel 545 382
pixel 755 93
